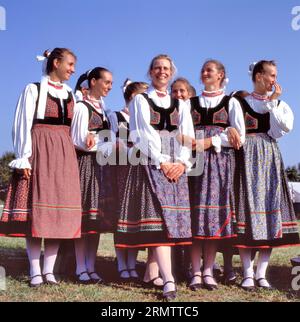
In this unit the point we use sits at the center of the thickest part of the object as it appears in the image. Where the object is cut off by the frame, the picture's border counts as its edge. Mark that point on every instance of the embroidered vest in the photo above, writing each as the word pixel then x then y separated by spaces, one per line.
pixel 161 118
pixel 55 114
pixel 216 116
pixel 97 121
pixel 254 122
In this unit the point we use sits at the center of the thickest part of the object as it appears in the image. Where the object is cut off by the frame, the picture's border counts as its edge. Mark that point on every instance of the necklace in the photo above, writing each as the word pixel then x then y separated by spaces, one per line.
pixel 161 93
pixel 57 85
pixel 212 93
pixel 260 97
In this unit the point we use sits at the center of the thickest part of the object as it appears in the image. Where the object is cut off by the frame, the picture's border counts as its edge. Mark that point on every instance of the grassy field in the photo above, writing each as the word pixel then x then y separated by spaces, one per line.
pixel 13 259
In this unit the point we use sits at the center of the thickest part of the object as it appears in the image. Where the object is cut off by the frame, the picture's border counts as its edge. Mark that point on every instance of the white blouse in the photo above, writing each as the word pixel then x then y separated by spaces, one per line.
pixel 80 131
pixel 149 140
pixel 22 126
pixel 236 119
pixel 281 115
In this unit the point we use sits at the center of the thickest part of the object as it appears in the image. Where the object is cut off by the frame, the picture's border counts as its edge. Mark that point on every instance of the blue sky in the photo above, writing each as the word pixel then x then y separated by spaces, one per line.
pixel 123 36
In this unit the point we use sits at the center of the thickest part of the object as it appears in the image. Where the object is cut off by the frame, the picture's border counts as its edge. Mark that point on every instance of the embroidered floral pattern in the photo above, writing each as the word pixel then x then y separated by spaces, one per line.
pixel 154 117
pixel 95 121
pixel 251 122
pixel 174 118
pixel 196 117
pixel 221 116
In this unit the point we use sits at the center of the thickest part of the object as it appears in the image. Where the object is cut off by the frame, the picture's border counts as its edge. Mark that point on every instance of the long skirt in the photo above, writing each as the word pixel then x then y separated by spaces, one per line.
pixel 265 211
pixel 212 194
pixel 154 211
pixel 48 205
pixel 97 194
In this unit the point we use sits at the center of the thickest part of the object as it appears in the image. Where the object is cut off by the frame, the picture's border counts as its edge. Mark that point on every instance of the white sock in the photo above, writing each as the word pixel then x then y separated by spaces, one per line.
pixel 50 253
pixel 80 256
pixel 262 265
pixel 33 247
pixel 162 254
pixel 248 271
pixel 92 242
pixel 131 261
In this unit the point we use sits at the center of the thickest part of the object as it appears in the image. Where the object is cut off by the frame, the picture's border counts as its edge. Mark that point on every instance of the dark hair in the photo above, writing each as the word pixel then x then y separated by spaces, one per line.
pixel 219 65
pixel 259 67
pixel 56 53
pixel 83 77
pixel 191 90
pixel 133 88
pixel 96 73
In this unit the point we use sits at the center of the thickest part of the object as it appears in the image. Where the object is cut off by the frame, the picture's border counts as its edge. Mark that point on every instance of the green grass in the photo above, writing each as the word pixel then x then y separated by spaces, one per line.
pixel 13 258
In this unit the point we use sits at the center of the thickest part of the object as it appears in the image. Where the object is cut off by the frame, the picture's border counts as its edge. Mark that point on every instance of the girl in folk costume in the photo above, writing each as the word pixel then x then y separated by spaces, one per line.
pixel 212 196
pixel 265 212
pixel 43 199
pixel 95 180
pixel 155 209
pixel 181 257
pixel 126 257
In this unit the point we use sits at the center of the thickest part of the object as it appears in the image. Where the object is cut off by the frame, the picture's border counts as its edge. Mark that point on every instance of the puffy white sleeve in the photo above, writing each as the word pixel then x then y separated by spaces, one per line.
pixel 281 118
pixel 236 120
pixel 186 127
pixel 142 134
pixel 79 127
pixel 24 114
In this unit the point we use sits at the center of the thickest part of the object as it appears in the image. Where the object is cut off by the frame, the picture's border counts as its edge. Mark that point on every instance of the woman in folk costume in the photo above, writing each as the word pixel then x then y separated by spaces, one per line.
pixel 43 199
pixel 155 210
pixel 265 214
pixel 90 129
pixel 126 257
pixel 212 196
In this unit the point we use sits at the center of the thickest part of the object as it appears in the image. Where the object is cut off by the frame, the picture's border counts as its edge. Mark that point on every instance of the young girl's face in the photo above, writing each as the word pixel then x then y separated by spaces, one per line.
pixel 210 75
pixel 180 91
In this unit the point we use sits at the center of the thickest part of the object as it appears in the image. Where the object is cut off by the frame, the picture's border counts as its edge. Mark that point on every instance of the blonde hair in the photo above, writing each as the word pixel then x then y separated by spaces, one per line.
pixel 162 56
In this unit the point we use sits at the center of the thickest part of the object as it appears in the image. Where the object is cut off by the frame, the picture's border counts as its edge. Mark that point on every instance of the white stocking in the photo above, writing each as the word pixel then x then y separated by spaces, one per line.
pixel 33 247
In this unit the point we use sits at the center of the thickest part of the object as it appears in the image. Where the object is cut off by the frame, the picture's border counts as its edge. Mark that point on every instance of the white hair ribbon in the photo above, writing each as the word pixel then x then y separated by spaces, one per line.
pixel 251 68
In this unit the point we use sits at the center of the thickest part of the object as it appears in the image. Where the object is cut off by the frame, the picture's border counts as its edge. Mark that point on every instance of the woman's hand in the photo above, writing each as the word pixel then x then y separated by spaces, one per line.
pixel 25 173
pixel 90 141
pixel 173 171
pixel 234 138
pixel 277 92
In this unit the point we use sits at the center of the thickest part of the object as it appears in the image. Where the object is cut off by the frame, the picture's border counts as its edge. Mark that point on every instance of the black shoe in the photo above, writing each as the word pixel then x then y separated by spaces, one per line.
pixel 133 278
pixel 196 286
pixel 151 284
pixel 270 288
pixel 170 295
pixel 97 280
pixel 209 286
pixel 229 278
pixel 247 288
pixel 36 285
pixel 124 279
pixel 84 282
pixel 49 282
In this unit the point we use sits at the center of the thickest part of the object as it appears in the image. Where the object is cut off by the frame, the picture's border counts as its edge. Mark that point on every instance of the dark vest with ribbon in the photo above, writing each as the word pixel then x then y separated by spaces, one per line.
pixel 161 118
pixel 216 116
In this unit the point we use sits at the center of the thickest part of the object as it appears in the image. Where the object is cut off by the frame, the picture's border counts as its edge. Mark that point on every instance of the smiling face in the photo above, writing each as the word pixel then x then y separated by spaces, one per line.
pixel 211 75
pixel 161 73
pixel 65 67
pixel 102 85
pixel 180 90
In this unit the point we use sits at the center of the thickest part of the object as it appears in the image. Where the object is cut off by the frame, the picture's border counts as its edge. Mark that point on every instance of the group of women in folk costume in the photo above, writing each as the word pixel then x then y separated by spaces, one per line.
pixel 61 192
